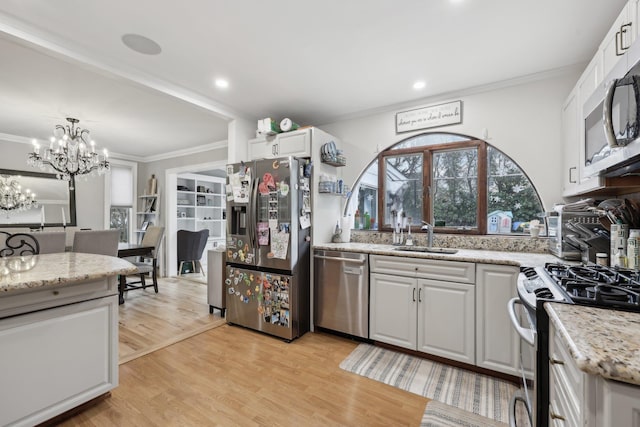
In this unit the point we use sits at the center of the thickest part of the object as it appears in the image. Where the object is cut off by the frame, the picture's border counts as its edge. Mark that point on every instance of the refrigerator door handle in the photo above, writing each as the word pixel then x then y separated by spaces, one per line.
pixel 253 214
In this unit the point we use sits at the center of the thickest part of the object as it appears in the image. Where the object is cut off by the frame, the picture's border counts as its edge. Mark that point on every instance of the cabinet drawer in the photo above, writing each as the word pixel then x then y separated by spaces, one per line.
pixel 560 400
pixel 52 296
pixel 450 271
pixel 563 364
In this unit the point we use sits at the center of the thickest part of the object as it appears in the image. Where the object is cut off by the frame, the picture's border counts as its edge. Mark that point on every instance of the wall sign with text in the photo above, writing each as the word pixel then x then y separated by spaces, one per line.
pixel 429 117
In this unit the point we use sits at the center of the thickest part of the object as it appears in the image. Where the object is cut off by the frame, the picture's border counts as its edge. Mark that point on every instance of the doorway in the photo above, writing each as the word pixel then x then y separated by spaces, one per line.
pixel 213 169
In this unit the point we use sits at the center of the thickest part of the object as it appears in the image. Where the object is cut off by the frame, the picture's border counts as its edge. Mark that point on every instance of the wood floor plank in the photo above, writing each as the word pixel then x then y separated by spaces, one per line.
pixel 150 321
pixel 230 376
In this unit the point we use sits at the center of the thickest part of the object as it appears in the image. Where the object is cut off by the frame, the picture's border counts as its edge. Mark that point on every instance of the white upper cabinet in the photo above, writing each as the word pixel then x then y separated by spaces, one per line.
pixel 591 78
pixel 571 152
pixel 294 143
pixel 619 37
pixel 610 55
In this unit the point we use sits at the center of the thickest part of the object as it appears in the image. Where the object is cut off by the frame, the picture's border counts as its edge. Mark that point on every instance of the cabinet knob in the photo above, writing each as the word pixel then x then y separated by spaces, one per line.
pixel 56 292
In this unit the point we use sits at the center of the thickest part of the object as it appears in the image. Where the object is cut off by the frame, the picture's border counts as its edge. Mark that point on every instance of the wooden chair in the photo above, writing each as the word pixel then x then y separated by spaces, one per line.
pixel 152 237
pixel 191 245
pixel 18 244
pixel 101 242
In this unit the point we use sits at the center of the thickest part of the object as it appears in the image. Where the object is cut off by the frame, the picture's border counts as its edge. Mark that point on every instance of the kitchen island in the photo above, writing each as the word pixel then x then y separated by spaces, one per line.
pixel 58 333
pixel 594 365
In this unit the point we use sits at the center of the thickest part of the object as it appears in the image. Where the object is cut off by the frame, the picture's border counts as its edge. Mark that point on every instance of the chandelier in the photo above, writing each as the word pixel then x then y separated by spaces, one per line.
pixel 70 153
pixel 12 198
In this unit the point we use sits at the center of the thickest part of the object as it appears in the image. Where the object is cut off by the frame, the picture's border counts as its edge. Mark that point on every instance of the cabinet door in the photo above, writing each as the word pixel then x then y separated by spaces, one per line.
pixel 55 360
pixel 619 405
pixel 262 148
pixel 297 143
pixel 570 141
pixel 498 344
pixel 619 36
pixel 393 317
pixel 446 318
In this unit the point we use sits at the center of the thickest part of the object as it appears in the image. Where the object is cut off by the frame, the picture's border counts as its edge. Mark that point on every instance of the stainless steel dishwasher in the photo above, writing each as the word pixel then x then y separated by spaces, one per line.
pixel 341 292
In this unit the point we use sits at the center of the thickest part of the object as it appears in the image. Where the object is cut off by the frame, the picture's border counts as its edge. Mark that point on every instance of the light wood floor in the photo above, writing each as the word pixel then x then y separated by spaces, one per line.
pixel 150 321
pixel 230 376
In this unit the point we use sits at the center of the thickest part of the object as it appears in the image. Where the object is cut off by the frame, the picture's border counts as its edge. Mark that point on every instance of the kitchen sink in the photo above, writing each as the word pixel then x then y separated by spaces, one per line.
pixel 426 249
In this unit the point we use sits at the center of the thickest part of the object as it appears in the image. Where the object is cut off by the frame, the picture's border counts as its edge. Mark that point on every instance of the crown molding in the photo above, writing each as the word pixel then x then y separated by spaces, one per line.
pixel 140 159
pixel 16 138
pixel 187 151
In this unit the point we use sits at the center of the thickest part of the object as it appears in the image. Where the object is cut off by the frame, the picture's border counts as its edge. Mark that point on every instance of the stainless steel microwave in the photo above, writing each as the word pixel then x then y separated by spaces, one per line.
pixel 612 118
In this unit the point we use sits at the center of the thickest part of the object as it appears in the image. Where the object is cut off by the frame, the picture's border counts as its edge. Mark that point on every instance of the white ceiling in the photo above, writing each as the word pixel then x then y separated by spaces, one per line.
pixel 311 61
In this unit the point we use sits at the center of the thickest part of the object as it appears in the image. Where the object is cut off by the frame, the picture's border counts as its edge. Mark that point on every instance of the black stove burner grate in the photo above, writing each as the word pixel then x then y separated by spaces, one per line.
pixel 598 285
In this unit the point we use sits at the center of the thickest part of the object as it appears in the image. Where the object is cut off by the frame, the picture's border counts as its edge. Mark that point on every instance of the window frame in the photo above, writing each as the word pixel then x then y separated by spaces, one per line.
pixel 427 156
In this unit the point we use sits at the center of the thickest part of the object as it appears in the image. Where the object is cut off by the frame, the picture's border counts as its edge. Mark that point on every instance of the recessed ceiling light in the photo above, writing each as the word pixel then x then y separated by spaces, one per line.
pixel 420 84
pixel 141 44
pixel 222 83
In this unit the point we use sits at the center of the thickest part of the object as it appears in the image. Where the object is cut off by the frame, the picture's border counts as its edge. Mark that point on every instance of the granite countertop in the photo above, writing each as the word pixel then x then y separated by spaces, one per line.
pixel 609 347
pixel 469 255
pixel 37 271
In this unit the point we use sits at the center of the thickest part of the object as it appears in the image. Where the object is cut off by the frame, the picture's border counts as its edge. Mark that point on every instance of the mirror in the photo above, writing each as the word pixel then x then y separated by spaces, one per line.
pixel 55 199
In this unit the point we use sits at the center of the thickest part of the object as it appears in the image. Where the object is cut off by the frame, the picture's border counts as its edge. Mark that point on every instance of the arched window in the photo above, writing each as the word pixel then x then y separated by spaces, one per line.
pixel 455 182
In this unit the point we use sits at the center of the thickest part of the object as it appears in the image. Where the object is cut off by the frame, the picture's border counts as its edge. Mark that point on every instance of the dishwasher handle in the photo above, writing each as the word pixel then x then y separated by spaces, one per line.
pixel 352 270
pixel 331 258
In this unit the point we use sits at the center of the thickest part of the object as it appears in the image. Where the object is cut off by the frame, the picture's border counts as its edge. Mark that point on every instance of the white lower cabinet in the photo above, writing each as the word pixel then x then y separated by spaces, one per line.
pixel 53 360
pixel 418 309
pixel 393 304
pixel 446 319
pixel 497 343
pixel 580 399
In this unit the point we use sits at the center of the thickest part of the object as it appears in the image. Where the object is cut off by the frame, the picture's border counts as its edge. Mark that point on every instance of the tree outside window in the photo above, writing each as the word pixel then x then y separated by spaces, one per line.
pixel 119 219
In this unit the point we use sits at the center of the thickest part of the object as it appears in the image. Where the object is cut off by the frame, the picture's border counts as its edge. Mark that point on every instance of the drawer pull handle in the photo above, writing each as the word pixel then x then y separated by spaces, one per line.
pixel 556 361
pixel 555 416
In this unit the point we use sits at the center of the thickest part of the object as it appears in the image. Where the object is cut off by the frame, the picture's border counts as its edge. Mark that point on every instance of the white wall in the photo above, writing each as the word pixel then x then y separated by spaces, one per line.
pixel 523 120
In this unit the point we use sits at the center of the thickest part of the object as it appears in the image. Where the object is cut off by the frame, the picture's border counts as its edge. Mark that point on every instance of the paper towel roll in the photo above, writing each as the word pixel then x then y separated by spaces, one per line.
pixel 347 225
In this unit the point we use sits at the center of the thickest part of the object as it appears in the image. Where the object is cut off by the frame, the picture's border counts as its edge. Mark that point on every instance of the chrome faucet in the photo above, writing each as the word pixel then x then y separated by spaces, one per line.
pixel 428 228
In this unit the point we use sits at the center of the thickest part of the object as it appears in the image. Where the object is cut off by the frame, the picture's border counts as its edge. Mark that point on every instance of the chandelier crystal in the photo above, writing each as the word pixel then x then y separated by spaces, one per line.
pixel 70 153
pixel 12 198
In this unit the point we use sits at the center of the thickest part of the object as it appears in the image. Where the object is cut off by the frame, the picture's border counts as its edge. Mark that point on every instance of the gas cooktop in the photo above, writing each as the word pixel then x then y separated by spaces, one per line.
pixel 597 285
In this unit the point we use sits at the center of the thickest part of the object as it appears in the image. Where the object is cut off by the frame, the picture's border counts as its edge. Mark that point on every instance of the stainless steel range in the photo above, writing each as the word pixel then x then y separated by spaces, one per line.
pixel 594 285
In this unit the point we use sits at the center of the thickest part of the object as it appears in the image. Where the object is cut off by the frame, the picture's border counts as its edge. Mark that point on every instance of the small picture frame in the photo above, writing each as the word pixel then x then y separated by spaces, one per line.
pixel 144 226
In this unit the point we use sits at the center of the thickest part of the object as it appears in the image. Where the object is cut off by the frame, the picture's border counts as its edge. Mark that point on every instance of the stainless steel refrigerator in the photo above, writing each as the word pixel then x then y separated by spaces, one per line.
pixel 268 243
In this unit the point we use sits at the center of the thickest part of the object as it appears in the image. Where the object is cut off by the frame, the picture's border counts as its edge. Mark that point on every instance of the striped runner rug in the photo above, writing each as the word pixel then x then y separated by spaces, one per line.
pixel 476 393
pixel 438 414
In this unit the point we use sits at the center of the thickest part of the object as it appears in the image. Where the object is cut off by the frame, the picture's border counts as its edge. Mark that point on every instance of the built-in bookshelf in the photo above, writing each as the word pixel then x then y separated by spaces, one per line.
pixel 200 204
pixel 147 213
